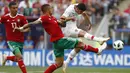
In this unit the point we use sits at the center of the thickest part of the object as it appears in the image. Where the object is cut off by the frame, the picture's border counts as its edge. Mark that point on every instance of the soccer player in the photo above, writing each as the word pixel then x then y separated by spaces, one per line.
pixel 60 42
pixel 71 30
pixel 14 37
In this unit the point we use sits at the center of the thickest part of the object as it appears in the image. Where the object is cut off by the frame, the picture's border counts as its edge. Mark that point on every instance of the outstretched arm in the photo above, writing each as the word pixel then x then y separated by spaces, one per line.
pixel 25 27
pixel 67 18
pixel 62 23
pixel 86 17
pixel 63 20
pixel 31 23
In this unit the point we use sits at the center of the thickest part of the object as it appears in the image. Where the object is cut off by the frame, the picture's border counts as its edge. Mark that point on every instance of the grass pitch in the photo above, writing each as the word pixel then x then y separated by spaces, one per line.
pixel 9 69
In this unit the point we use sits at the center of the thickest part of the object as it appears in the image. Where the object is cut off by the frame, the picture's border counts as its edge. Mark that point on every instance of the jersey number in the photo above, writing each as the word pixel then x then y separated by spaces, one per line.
pixel 14 25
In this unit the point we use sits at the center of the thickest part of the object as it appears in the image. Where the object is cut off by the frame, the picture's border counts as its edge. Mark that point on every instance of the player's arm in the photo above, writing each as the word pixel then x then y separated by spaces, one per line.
pixel 86 17
pixel 32 23
pixel 24 27
pixel 62 23
pixel 67 18
pixel 2 19
pixel 63 20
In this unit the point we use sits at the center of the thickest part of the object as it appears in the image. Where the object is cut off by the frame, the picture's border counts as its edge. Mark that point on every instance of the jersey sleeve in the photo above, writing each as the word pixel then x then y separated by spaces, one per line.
pixel 67 12
pixel 42 19
pixel 24 20
pixel 2 19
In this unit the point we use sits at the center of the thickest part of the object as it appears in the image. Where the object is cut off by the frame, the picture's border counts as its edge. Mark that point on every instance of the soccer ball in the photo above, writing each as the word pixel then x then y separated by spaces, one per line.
pixel 118 45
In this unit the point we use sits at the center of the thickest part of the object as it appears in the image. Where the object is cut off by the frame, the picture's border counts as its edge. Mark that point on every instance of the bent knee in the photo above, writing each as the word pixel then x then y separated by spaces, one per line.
pixel 60 64
pixel 19 57
pixel 80 45
pixel 77 50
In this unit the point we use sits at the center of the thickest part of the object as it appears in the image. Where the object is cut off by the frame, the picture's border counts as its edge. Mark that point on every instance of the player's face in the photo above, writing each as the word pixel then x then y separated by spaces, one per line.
pixel 14 9
pixel 78 11
pixel 50 10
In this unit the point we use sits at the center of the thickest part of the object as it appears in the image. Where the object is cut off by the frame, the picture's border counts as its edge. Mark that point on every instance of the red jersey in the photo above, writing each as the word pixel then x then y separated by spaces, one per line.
pixel 12 22
pixel 51 26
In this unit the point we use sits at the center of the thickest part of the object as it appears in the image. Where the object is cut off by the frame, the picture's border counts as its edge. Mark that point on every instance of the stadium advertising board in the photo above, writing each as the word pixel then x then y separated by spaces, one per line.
pixel 31 57
pixel 109 58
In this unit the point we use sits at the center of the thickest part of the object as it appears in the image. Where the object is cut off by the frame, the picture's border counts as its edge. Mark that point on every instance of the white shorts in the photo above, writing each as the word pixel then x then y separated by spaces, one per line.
pixel 71 31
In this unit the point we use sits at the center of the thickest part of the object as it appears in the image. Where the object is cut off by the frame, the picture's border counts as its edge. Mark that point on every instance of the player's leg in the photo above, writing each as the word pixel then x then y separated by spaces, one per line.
pixel 72 33
pixel 72 54
pixel 67 43
pixel 59 54
pixel 75 32
pixel 53 67
pixel 59 46
pixel 89 48
pixel 11 58
pixel 20 61
pixel 86 35
pixel 16 48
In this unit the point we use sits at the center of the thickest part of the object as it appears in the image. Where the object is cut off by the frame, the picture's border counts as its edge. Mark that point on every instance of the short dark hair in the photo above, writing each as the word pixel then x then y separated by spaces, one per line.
pixel 12 3
pixel 45 7
pixel 81 6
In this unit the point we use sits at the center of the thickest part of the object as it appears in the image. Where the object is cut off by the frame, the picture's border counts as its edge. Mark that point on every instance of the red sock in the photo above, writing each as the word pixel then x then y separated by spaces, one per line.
pixel 90 48
pixel 22 66
pixel 12 58
pixel 51 68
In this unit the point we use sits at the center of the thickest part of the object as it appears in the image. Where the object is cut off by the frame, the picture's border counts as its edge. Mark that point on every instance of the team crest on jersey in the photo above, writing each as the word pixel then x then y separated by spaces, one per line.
pixel 7 20
pixel 18 20
pixel 49 18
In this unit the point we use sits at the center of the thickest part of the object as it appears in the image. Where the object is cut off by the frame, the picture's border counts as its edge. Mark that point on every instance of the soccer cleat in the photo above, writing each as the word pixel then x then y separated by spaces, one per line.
pixel 101 48
pixel 4 59
pixel 64 67
pixel 102 40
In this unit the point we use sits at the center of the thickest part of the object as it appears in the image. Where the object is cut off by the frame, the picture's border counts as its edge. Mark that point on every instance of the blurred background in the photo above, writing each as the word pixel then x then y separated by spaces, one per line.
pixel 109 18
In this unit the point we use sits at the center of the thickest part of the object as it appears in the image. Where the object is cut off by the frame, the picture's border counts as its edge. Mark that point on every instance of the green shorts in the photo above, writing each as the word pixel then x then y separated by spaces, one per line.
pixel 15 47
pixel 64 43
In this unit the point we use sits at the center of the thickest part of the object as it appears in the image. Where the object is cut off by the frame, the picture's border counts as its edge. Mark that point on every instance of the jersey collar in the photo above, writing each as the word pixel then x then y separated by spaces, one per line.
pixel 12 16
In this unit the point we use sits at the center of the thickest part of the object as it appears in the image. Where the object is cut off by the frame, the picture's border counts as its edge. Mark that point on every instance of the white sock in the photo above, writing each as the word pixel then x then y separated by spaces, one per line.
pixel 91 37
pixel 71 55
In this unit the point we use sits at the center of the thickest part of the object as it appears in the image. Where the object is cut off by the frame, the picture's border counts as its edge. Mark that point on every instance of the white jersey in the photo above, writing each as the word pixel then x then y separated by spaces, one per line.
pixel 71 29
pixel 70 12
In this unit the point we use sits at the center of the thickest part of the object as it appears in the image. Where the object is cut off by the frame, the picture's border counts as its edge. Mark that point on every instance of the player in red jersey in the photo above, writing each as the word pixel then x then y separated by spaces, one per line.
pixel 60 42
pixel 14 37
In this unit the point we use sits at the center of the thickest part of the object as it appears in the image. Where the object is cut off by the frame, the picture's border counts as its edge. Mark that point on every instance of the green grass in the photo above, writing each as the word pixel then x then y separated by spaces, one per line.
pixel 8 69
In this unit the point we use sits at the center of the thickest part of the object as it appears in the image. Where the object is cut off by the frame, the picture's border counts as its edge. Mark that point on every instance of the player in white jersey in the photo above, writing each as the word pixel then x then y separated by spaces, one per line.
pixel 71 30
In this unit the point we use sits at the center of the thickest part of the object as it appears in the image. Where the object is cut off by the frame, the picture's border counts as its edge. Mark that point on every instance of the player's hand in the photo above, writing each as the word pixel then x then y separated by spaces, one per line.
pixel 20 29
pixel 72 18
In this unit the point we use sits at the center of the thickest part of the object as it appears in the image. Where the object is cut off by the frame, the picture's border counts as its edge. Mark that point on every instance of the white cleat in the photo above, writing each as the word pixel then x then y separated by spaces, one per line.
pixel 101 48
pixel 64 67
pixel 4 59
pixel 102 40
